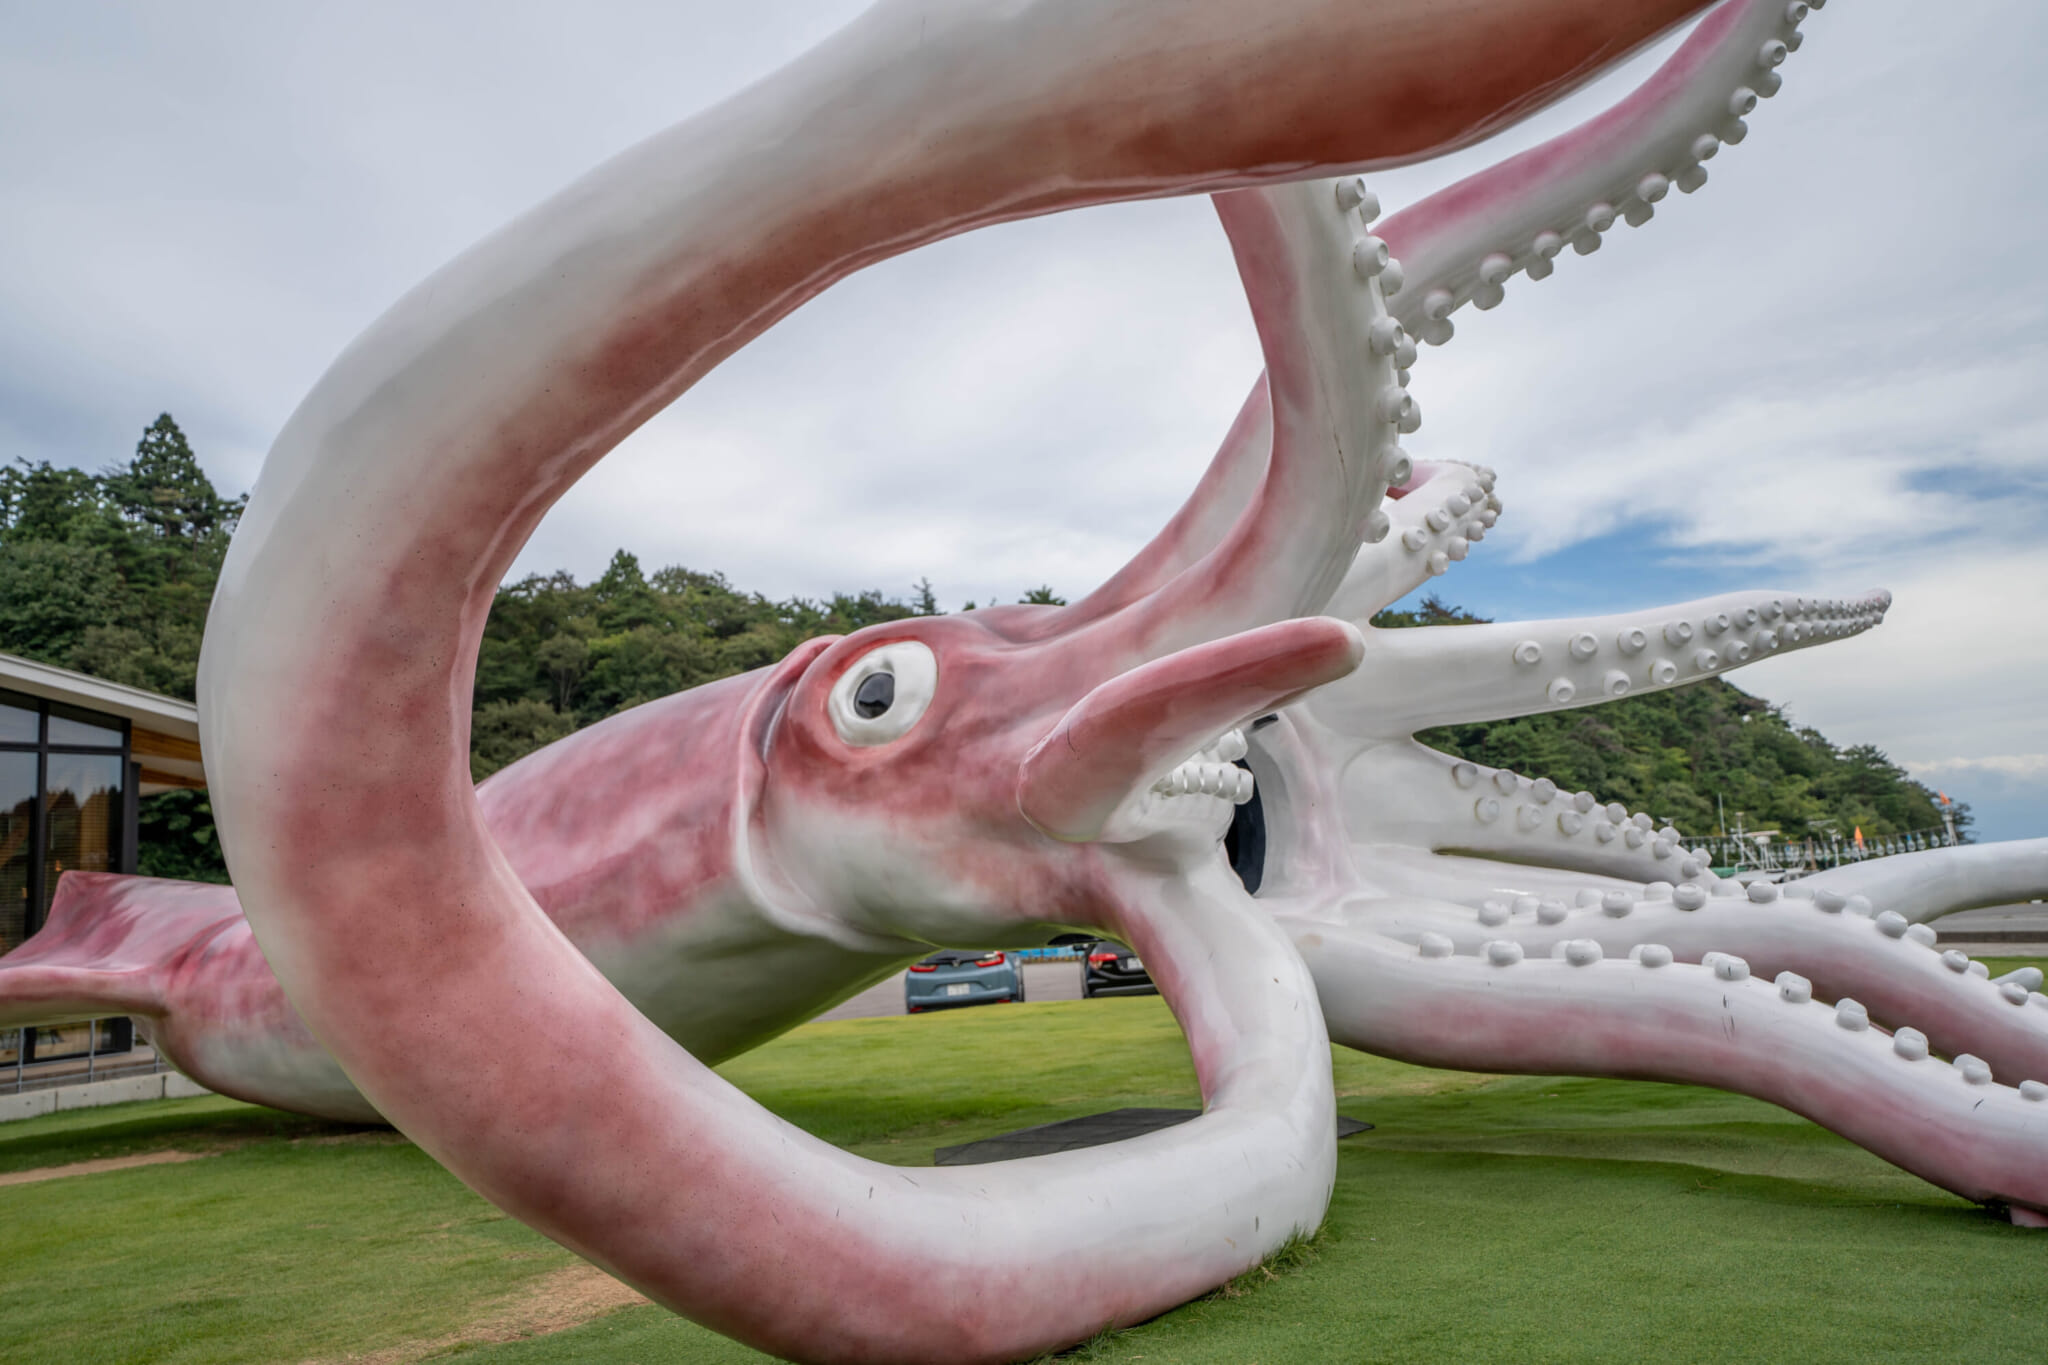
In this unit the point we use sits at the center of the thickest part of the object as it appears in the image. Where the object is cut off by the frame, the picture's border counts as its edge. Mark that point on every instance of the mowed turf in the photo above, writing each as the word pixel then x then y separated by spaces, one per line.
pixel 1518 1219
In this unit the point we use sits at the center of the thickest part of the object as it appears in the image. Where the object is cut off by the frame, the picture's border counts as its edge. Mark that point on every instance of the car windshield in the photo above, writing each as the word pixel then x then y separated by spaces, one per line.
pixel 952 957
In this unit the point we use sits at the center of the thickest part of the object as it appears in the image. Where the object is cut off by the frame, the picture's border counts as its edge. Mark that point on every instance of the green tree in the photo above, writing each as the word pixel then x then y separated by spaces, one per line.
pixel 164 489
pixel 111 574
pixel 1687 753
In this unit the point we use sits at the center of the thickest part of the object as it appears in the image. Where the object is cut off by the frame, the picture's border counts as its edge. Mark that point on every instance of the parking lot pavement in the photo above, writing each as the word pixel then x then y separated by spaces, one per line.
pixel 1042 981
pixel 1999 928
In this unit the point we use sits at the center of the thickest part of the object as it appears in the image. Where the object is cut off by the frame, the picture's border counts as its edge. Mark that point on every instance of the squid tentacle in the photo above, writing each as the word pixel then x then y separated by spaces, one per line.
pixel 424 459
pixel 1403 792
pixel 1448 254
pixel 1935 882
pixel 1894 969
pixel 1336 408
pixel 1647 1017
pixel 1464 242
pixel 1423 678
pixel 1440 509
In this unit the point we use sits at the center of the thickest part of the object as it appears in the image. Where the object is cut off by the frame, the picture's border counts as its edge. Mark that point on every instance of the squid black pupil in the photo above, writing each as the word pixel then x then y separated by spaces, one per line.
pixel 876 694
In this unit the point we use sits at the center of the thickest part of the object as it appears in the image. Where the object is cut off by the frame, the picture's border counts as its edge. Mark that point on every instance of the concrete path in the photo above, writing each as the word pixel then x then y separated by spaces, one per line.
pixel 2014 930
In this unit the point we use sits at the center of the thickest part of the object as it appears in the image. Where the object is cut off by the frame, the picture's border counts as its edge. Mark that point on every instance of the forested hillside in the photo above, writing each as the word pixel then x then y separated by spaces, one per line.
pixel 110 574
pixel 1672 753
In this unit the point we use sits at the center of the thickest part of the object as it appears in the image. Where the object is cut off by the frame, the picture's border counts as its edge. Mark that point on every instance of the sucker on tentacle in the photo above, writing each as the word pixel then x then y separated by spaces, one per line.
pixel 1586 1012
pixel 423 460
pixel 1499 671
pixel 1465 242
pixel 1900 977
pixel 1049 767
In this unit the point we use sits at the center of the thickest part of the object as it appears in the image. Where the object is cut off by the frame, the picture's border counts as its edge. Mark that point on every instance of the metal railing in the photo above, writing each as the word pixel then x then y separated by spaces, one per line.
pixel 1754 853
pixel 64 1070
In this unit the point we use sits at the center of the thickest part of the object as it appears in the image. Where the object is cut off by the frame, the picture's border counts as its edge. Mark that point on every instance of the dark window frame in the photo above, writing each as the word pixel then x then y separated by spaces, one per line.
pixel 124 833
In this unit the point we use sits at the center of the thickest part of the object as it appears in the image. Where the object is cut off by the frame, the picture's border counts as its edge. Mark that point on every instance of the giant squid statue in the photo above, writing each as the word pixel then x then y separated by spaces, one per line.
pixel 688 879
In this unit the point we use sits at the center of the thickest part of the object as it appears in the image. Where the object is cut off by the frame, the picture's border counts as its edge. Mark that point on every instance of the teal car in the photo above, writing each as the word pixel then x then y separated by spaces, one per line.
pixel 953 977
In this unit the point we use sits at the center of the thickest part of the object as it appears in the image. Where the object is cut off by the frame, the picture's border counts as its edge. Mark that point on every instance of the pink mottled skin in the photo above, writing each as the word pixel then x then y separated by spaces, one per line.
pixel 335 699
pixel 686 879
pixel 1600 141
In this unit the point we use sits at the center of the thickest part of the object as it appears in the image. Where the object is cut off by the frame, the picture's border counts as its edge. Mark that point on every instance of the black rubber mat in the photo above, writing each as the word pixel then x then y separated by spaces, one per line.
pixel 1091 1131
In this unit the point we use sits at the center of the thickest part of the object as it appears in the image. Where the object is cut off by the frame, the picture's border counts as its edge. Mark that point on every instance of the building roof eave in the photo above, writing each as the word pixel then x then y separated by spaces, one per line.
pixel 144 711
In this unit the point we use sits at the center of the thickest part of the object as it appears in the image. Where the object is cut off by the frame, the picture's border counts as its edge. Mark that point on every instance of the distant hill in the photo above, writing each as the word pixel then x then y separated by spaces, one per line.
pixel 111 574
pixel 1673 753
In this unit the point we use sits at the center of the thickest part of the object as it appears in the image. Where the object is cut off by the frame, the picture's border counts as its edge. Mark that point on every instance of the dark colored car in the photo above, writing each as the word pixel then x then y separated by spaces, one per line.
pixel 952 977
pixel 1112 969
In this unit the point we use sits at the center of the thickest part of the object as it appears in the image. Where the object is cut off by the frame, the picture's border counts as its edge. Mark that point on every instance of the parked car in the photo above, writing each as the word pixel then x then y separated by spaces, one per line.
pixel 1111 969
pixel 952 977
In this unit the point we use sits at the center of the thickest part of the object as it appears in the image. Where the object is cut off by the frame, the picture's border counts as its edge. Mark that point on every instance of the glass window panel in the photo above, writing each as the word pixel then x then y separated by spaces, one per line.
pixel 10 1045
pixel 117 1035
pixel 65 1040
pixel 17 804
pixel 69 725
pixel 18 719
pixel 82 806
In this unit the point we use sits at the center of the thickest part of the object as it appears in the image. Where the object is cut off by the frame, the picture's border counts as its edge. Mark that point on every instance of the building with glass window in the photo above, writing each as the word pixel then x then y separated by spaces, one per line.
pixel 76 755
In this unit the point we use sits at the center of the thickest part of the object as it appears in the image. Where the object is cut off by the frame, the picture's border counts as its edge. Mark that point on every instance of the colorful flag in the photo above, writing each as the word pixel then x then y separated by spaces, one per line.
pixel 1859 836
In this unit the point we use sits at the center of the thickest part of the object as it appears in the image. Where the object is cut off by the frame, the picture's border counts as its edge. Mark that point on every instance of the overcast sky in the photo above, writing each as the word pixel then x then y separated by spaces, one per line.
pixel 1822 373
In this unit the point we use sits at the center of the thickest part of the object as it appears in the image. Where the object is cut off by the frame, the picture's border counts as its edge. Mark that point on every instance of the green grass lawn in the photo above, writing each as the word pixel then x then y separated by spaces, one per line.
pixel 1522 1219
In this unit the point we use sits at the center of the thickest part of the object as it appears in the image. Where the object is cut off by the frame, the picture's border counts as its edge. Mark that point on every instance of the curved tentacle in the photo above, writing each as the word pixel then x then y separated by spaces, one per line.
pixel 1940 881
pixel 1416 679
pixel 98 954
pixel 1464 242
pixel 1448 249
pixel 1336 412
pixel 1649 1018
pixel 179 957
pixel 1405 793
pixel 1439 511
pixel 1893 970
pixel 425 457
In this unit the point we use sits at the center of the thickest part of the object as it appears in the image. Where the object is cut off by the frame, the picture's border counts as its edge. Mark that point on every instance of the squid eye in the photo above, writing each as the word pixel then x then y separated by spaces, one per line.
pixel 876 694
pixel 884 693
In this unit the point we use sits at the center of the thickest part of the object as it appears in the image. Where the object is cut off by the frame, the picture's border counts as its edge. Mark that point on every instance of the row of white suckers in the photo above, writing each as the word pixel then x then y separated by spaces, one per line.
pixel 1213 771
pixel 2018 988
pixel 1467 514
pixel 1609 822
pixel 1772 624
pixel 1372 258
